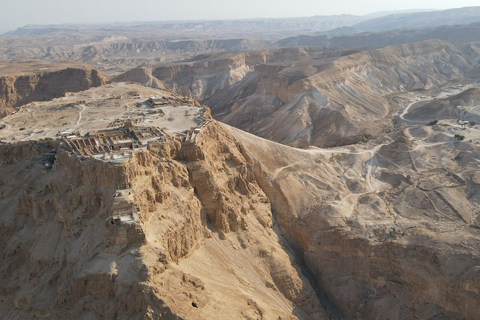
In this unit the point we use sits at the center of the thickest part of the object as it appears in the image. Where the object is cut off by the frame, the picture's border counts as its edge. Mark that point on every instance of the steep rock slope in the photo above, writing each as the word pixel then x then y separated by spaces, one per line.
pixel 315 96
pixel 24 81
pixel 172 233
pixel 390 230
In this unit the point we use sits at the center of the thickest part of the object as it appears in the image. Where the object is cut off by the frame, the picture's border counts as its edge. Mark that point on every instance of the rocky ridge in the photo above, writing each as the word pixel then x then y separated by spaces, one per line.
pixel 24 81
pixel 353 38
pixel 315 96
pixel 102 240
pixel 115 54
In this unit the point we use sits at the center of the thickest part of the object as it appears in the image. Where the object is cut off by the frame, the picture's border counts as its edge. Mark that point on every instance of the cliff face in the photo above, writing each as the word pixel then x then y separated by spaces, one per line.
pixel 141 75
pixel 316 96
pixel 20 88
pixel 389 232
pixel 182 227
pixel 119 241
pixel 207 75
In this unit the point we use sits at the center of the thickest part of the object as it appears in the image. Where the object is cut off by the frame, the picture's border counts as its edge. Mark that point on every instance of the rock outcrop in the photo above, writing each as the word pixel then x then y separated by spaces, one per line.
pixel 25 82
pixel 93 239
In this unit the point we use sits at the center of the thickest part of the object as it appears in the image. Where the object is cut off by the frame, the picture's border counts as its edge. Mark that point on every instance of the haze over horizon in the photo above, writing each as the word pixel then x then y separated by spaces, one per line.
pixel 15 14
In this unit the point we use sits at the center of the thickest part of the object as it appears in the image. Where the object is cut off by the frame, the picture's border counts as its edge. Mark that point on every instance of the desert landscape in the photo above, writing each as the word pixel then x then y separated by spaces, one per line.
pixel 296 168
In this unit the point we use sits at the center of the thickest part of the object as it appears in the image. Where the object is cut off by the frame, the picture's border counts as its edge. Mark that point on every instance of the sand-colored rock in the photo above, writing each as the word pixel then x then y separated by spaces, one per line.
pixel 25 81
pixel 389 231
pixel 95 239
pixel 199 220
pixel 311 95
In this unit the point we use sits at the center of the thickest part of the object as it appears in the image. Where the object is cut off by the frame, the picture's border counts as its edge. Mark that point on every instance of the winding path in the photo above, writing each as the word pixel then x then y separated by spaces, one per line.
pixel 80 114
pixel 441 95
pixel 407 109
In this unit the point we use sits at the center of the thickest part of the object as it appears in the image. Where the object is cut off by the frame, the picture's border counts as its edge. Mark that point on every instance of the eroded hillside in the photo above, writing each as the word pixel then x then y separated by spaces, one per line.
pixel 127 200
pixel 134 223
pixel 113 54
pixel 390 228
pixel 147 208
pixel 316 96
pixel 25 81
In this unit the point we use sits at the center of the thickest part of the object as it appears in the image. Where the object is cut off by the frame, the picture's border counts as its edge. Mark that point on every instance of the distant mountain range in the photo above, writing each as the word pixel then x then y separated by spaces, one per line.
pixel 118 47
pixel 456 33
pixel 267 29
pixel 448 17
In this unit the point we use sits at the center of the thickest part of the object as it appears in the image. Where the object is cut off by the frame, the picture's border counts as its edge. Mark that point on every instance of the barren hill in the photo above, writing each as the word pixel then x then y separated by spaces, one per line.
pixel 412 20
pixel 459 106
pixel 386 229
pixel 134 210
pixel 352 38
pixel 315 96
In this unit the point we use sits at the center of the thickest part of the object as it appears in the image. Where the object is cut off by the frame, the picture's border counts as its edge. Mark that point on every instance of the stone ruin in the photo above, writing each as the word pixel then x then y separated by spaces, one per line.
pixel 173 100
pixel 113 144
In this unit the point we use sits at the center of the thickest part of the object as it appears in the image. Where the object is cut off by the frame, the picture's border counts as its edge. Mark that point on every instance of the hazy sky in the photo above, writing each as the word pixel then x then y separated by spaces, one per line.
pixel 17 13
